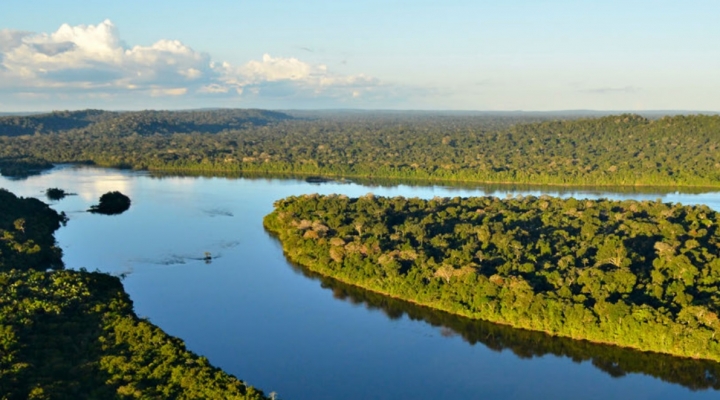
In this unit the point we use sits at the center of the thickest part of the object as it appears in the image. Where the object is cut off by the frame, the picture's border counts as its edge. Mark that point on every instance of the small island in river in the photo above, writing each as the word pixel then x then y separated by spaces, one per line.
pixel 56 194
pixel 643 275
pixel 111 203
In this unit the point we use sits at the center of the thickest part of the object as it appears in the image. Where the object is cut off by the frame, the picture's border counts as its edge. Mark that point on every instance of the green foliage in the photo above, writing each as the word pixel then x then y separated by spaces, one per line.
pixel 74 335
pixel 136 122
pixel 22 167
pixel 26 229
pixel 618 150
pixel 645 275
pixel 111 203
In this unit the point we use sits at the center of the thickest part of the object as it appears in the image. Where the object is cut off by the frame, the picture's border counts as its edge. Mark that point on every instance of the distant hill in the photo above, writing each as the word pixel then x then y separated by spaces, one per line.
pixel 53 122
pixel 214 120
pixel 626 150
pixel 18 114
pixel 516 114
pixel 137 122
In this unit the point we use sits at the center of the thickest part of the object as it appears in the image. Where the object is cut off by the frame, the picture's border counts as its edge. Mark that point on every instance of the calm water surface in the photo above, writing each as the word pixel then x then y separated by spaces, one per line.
pixel 258 317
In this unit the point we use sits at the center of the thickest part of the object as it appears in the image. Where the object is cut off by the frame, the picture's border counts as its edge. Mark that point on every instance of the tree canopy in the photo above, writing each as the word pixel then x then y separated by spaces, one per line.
pixel 26 230
pixel 147 122
pixel 111 203
pixel 643 275
pixel 616 150
pixel 73 334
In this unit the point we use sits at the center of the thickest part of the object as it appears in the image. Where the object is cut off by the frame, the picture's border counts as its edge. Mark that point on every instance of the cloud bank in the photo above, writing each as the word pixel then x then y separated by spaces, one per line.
pixel 93 61
pixel 610 90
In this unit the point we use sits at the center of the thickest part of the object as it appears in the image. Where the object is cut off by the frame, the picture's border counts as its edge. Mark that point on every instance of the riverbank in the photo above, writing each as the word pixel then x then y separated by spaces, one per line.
pixel 629 285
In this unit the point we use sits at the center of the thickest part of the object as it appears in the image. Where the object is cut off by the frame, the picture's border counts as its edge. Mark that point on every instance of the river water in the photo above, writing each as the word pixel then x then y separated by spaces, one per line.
pixel 252 313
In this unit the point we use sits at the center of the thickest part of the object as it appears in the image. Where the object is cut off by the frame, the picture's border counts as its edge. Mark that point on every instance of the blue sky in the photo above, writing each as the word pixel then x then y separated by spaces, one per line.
pixel 463 55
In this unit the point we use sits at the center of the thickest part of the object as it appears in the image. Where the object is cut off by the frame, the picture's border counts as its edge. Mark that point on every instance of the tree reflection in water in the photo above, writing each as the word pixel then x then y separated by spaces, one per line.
pixel 615 361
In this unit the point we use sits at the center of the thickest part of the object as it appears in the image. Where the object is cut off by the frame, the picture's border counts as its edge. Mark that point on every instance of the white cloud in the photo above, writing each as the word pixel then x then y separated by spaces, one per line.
pixel 168 92
pixel 191 73
pixel 277 69
pixel 10 39
pixel 87 60
pixel 214 88
pixel 609 90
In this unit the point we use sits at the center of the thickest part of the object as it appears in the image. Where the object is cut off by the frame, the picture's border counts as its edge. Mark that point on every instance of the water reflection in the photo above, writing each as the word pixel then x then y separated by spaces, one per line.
pixel 493 188
pixel 615 361
pixel 489 188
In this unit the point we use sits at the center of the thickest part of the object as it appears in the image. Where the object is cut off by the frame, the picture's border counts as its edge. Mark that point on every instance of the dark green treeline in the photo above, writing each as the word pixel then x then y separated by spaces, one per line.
pixel 643 275
pixel 617 150
pixel 74 335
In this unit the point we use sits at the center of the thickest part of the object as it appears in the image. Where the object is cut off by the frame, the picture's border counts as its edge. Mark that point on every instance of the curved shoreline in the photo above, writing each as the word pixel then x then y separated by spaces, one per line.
pixel 616 361
pixel 213 171
pixel 470 317
pixel 553 316
pixel 431 180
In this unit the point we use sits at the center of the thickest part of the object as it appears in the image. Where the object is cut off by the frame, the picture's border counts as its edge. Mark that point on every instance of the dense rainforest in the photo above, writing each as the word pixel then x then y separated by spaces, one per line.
pixel 616 150
pixel 73 334
pixel 643 275
pixel 137 122
pixel 26 234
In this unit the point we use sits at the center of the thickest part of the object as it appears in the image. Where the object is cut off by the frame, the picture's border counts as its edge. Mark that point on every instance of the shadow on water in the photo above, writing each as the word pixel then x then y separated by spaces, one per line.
pixel 615 361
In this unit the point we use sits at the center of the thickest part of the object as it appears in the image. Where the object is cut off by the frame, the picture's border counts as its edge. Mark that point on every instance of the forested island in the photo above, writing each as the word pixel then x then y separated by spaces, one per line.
pixel 73 334
pixel 111 203
pixel 622 150
pixel 643 275
pixel 56 194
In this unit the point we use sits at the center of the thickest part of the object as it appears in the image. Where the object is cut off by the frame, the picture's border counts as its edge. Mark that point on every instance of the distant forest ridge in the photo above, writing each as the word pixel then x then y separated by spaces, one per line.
pixel 211 120
pixel 345 111
pixel 554 114
pixel 141 122
pixel 617 150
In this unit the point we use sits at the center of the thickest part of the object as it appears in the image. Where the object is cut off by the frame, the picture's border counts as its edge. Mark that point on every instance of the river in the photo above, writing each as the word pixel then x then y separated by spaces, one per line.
pixel 252 313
